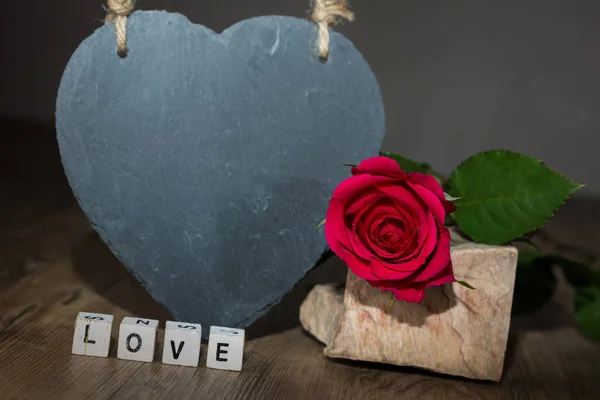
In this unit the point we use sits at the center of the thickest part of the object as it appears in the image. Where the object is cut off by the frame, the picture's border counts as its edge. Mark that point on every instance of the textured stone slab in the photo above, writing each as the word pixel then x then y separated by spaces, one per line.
pixel 205 160
pixel 321 311
pixel 454 330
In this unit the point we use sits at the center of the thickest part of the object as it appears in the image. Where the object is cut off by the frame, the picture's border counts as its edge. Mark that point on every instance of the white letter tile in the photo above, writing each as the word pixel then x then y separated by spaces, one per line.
pixel 182 344
pixel 137 338
pixel 92 334
pixel 225 348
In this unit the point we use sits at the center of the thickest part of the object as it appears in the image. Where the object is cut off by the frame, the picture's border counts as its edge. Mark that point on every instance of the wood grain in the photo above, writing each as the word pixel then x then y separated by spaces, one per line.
pixel 52 265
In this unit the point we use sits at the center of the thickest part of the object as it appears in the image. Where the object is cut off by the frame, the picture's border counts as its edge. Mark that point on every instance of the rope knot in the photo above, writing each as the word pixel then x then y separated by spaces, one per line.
pixel 331 11
pixel 117 11
pixel 119 8
pixel 327 13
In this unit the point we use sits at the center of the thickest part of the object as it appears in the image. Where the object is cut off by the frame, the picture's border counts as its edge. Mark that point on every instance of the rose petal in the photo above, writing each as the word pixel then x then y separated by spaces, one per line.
pixel 359 267
pixel 405 203
pixel 352 187
pixel 379 215
pixel 427 230
pixel 402 290
pixel 360 242
pixel 414 292
pixel 390 233
pixel 335 224
pixel 358 236
pixel 383 209
pixel 376 216
pixel 401 193
pixel 374 236
pixel 390 270
pixel 338 240
pixel 364 201
pixel 365 246
pixel 433 203
pixel 428 182
pixel 439 260
pixel 408 249
pixel 385 273
pixel 410 244
pixel 379 165
pixel 408 215
pixel 431 184
pixel 445 276
pixel 428 238
pixel 405 199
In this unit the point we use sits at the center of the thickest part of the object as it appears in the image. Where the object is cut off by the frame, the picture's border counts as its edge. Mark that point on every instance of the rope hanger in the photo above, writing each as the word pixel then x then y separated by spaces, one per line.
pixel 117 11
pixel 325 13
pixel 328 13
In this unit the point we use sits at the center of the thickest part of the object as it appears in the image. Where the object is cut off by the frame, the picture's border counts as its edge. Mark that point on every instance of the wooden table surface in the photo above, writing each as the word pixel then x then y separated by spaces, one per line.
pixel 52 266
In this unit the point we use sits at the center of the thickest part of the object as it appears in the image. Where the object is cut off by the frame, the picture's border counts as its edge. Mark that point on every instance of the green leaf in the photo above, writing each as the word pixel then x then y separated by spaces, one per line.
pixel 505 195
pixel 535 283
pixel 406 164
pixel 465 284
pixel 587 311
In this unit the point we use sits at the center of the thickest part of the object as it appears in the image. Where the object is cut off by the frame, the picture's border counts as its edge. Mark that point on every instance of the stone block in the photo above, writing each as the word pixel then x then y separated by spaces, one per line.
pixel 454 330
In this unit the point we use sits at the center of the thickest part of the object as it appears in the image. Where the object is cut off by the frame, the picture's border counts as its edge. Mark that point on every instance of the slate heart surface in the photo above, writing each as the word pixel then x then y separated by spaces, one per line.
pixel 205 160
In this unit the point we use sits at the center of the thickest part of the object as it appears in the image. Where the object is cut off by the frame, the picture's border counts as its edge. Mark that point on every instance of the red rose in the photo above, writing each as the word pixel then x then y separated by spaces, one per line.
pixel 388 227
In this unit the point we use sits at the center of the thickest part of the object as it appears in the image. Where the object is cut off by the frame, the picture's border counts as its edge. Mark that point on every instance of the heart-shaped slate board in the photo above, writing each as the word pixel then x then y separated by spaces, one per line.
pixel 206 160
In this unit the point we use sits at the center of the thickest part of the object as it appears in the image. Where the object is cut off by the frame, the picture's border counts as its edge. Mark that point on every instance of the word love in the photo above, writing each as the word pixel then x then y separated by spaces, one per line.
pixel 137 339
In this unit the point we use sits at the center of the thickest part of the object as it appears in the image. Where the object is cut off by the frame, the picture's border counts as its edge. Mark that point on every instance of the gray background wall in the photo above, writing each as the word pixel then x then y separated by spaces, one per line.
pixel 458 76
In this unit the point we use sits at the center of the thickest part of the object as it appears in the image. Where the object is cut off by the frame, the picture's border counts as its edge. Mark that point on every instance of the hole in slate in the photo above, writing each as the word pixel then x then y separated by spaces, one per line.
pixel 323 60
pixel 122 54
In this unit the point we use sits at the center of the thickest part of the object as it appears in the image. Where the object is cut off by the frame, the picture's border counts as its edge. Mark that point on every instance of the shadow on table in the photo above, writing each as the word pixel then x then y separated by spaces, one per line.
pixel 101 270
pixel 284 316
pixel 553 315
